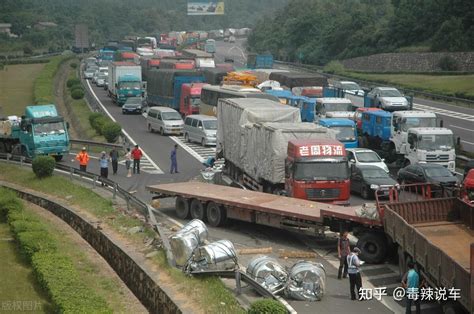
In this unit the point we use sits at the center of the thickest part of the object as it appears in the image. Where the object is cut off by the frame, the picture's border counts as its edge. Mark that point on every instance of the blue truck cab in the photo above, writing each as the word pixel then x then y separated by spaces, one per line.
pixel 283 95
pixel 377 124
pixel 345 129
pixel 333 92
pixel 306 106
pixel 128 86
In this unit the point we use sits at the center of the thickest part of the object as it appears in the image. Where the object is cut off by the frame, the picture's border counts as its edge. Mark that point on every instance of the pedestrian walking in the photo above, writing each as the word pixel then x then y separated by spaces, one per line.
pixel 411 282
pixel 136 155
pixel 83 159
pixel 128 162
pixel 114 156
pixel 343 250
pixel 355 280
pixel 104 166
pixel 174 161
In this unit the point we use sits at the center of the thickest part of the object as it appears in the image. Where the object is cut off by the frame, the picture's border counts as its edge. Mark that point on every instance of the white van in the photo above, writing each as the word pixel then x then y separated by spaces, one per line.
pixel 164 120
pixel 200 128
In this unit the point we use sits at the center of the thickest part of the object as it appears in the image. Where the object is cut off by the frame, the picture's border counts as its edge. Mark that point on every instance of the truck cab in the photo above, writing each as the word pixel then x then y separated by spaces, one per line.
pixel 128 86
pixel 317 170
pixel 283 95
pixel 330 107
pixel 430 145
pixel 345 129
pixel 402 121
pixel 190 98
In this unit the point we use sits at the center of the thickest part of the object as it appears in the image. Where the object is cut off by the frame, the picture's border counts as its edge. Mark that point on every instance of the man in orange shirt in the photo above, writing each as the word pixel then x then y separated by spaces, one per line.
pixel 83 159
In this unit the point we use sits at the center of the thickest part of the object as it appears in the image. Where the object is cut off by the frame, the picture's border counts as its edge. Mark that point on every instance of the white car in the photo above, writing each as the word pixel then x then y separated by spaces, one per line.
pixel 364 157
pixel 349 87
pixel 388 98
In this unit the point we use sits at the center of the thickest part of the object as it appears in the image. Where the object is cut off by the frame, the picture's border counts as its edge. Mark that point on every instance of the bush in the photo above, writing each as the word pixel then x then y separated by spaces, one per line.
pixel 77 93
pixel 73 81
pixel 267 306
pixel 8 203
pixel 93 117
pixel 334 67
pixel 20 225
pixel 73 65
pixel 111 131
pixel 448 63
pixel 35 241
pixel 43 166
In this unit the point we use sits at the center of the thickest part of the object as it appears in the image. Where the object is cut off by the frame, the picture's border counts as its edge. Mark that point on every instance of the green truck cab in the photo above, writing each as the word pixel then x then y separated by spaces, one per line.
pixel 41 131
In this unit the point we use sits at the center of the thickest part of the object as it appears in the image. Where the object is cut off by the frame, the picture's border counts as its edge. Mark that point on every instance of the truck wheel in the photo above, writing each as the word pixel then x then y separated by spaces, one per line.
pixel 365 193
pixel 186 138
pixel 58 158
pixel 373 247
pixel 197 210
pixel 182 207
pixel 162 132
pixel 216 215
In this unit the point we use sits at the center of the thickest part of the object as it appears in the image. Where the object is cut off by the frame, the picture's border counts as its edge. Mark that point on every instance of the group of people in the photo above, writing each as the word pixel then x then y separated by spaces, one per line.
pixel 132 156
pixel 350 264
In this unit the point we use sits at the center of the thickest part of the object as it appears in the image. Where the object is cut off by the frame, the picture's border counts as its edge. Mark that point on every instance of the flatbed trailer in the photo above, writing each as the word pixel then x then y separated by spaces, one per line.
pixel 438 236
pixel 217 203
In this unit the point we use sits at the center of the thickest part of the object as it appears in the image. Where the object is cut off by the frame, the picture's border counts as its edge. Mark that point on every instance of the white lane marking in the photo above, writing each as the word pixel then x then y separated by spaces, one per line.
pixel 444 112
pixel 188 149
pixel 458 127
pixel 470 143
pixel 158 170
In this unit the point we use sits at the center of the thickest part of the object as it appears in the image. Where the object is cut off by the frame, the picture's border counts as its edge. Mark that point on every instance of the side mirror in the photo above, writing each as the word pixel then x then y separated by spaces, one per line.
pixel 383 159
pixel 352 160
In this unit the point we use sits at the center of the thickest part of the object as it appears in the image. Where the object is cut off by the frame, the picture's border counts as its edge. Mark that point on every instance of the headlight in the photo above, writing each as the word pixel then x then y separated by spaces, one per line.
pixel 385 168
pixel 374 186
pixel 397 186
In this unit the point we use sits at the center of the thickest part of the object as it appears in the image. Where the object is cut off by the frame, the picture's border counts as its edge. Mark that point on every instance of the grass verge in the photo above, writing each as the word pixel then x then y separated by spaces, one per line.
pixel 43 85
pixel 209 293
pixel 54 270
pixel 16 87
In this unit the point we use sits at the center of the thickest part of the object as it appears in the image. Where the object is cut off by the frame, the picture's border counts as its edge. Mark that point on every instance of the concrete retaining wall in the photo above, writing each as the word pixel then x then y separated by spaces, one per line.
pixel 409 62
pixel 139 280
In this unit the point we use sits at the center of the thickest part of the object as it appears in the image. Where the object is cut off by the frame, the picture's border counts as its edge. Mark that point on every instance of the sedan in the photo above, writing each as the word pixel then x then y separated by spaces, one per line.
pixel 366 180
pixel 364 157
pixel 387 98
pixel 434 174
pixel 132 105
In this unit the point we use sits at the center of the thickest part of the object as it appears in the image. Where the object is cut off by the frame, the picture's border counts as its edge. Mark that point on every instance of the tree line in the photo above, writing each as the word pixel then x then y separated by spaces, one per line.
pixel 317 31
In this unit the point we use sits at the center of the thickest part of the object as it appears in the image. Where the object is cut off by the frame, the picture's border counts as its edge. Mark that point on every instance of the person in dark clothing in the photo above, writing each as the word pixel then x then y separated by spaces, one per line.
pixel 355 280
pixel 114 156
pixel 174 161
pixel 343 250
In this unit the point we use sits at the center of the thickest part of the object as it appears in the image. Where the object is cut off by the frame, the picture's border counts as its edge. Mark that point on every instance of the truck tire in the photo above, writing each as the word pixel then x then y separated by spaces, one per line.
pixel 197 210
pixel 182 207
pixel 58 158
pixel 216 214
pixel 373 247
pixel 162 132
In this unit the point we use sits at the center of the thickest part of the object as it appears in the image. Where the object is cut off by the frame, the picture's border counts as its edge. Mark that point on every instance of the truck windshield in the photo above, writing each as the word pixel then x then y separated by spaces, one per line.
pixel 171 116
pixel 195 101
pixel 409 123
pixel 310 171
pixel 344 133
pixel 130 85
pixel 210 125
pixel 48 128
pixel 337 107
pixel 436 142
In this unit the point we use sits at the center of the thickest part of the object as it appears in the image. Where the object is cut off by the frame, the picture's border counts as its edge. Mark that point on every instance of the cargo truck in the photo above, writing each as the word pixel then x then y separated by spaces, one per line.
pixel 297 79
pixel 164 86
pixel 201 58
pixel 408 137
pixel 125 80
pixel 41 131
pixel 345 130
pixel 256 61
pixel 285 157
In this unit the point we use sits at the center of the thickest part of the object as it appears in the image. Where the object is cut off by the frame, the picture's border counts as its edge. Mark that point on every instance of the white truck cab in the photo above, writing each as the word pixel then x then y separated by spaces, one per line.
pixel 402 121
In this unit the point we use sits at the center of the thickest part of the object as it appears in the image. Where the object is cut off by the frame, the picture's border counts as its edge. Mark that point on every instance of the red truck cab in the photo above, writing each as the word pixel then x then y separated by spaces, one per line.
pixel 317 170
pixel 190 98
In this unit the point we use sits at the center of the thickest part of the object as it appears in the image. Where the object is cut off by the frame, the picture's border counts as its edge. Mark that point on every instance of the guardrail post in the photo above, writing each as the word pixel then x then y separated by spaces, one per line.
pixel 22 158
pixel 237 283
pixel 8 157
pixel 128 203
pixel 115 190
pixel 71 172
pixel 93 181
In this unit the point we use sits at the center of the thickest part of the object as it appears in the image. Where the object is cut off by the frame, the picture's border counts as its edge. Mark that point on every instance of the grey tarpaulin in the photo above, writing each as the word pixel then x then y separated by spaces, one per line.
pixel 214 76
pixel 294 79
pixel 161 82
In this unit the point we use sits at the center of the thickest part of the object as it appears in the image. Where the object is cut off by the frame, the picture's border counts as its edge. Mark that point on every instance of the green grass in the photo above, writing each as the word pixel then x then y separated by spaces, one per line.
pixel 17 280
pixel 43 85
pixel 451 85
pixel 16 87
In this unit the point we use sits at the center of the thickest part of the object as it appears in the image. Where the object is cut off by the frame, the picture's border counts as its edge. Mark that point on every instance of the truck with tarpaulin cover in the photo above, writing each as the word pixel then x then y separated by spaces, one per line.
pixel 268 149
pixel 40 131
pixel 125 80
pixel 164 86
pixel 297 79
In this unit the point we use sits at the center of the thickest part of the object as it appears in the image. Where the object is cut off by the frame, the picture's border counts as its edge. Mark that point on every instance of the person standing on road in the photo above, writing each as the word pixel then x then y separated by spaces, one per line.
pixel 83 159
pixel 136 155
pixel 174 161
pixel 411 282
pixel 355 280
pixel 343 250
pixel 114 155
pixel 128 162
pixel 104 166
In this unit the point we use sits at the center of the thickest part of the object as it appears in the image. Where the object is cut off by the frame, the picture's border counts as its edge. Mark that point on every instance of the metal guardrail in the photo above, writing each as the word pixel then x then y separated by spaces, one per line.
pixel 87 144
pixel 371 84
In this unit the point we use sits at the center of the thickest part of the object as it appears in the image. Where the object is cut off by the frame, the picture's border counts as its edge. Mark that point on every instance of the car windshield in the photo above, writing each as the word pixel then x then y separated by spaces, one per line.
pixel 311 171
pixel 338 107
pixel 130 85
pixel 133 101
pixel 390 93
pixel 171 116
pixel 409 123
pixel 374 173
pixel 350 86
pixel 436 142
pixel 344 133
pixel 210 124
pixel 438 172
pixel 49 128
pixel 368 157
pixel 195 101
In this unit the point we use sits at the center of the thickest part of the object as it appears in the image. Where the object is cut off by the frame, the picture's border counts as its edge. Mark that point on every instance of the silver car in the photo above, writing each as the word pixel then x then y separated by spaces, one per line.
pixel 164 120
pixel 200 128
